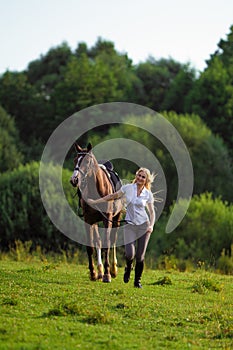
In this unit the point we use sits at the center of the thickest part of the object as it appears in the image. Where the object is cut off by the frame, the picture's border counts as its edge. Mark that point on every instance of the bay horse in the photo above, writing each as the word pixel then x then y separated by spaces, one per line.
pixel 93 182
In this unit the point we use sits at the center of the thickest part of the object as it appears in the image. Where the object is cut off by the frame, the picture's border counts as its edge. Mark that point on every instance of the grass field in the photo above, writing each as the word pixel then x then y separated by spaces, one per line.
pixel 55 306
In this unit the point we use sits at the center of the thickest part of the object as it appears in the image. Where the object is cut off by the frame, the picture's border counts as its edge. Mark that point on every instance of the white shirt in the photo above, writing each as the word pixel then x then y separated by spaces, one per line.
pixel 136 205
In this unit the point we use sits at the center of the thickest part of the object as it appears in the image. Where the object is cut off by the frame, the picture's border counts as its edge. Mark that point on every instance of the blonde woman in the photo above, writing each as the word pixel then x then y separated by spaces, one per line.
pixel 137 233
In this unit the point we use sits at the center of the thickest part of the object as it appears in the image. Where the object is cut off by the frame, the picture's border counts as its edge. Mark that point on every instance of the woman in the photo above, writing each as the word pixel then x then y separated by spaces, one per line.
pixel 137 232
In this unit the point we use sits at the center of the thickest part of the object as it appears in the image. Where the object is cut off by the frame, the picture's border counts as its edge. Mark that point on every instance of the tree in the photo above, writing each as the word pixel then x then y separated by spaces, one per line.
pixel 10 155
pixel 67 82
pixel 209 155
pixel 31 112
pixel 212 95
pixel 129 86
pixel 176 96
pixel 86 83
pixel 165 83
pixel 224 51
pixel 46 72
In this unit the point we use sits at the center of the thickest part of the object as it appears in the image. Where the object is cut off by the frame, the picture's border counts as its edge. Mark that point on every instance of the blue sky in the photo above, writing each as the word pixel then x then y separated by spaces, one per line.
pixel 187 31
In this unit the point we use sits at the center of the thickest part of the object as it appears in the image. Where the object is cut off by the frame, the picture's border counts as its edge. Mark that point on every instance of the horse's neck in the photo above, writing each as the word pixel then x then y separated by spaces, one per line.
pixel 102 183
pixel 95 183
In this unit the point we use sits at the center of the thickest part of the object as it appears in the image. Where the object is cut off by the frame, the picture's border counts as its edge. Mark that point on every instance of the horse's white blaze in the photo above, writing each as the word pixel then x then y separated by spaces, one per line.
pixel 75 173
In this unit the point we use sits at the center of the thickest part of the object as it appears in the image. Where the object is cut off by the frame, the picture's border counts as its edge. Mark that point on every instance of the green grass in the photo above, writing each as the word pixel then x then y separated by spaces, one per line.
pixel 55 306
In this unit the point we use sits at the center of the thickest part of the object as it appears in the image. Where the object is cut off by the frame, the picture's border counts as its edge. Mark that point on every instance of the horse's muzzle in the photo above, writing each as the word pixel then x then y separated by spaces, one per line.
pixel 73 182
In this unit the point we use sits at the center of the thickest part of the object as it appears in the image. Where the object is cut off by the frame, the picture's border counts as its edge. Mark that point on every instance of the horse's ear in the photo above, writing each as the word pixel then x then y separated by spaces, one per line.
pixel 77 147
pixel 89 146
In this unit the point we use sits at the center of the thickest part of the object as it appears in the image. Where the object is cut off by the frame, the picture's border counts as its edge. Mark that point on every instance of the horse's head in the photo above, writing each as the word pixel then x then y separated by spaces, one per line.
pixel 83 164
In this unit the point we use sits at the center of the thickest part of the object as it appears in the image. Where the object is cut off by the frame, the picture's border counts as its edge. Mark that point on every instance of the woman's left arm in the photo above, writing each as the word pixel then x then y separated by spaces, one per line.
pixel 151 210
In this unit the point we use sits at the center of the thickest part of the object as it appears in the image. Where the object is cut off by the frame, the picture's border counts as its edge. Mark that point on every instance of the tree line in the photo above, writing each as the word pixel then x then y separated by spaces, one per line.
pixel 61 82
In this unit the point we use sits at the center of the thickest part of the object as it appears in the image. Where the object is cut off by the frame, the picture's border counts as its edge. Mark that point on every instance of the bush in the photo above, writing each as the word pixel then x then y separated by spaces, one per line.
pixel 205 231
pixel 225 262
pixel 23 216
pixel 10 156
pixel 202 285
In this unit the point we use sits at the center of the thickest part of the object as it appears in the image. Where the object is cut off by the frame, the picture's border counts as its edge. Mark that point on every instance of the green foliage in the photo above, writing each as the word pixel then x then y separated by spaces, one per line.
pixel 23 216
pixel 210 158
pixel 9 301
pixel 62 82
pixel 165 84
pixel 21 251
pixel 203 284
pixel 63 310
pixel 10 155
pixel 225 262
pixel 163 281
pixel 202 235
pixel 16 96
pixel 175 98
pixel 85 83
pixel 30 109
pixel 225 51
pixel 129 86
pixel 95 76
pixel 205 235
pixel 212 95
pixel 46 71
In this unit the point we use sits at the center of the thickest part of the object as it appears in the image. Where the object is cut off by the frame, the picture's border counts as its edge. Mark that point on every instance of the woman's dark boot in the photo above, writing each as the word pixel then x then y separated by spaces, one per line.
pixel 128 268
pixel 138 273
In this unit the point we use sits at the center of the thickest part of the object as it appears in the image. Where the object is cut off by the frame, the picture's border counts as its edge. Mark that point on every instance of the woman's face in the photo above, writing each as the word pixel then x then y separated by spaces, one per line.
pixel 141 178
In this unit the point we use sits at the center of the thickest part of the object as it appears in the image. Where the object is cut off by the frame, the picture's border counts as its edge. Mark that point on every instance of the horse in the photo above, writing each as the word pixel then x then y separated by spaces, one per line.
pixel 93 181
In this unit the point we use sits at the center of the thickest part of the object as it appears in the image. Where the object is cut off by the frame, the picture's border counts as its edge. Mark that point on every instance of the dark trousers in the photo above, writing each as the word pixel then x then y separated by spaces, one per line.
pixel 136 240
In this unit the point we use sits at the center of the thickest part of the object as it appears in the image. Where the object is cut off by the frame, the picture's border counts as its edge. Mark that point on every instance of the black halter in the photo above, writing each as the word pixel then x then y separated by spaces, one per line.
pixel 80 161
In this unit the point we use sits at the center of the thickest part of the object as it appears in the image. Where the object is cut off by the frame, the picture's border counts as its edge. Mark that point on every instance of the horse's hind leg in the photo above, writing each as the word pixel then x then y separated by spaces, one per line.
pixel 114 269
pixel 106 249
pixel 90 252
pixel 107 274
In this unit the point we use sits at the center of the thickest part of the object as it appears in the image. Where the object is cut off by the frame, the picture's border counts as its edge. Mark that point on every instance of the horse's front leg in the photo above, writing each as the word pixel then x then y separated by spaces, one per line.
pixel 106 249
pixel 114 269
pixel 90 252
pixel 98 245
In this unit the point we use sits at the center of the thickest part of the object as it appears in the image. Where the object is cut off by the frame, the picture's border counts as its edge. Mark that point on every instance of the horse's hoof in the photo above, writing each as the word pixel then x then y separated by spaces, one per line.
pixel 93 276
pixel 106 278
pixel 100 272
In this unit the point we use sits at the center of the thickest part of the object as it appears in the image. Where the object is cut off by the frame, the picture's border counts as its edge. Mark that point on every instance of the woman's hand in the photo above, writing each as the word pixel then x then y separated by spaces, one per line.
pixel 150 229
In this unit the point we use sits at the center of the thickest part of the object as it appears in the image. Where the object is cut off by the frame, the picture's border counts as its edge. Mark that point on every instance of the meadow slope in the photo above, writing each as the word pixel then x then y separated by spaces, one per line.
pixel 54 306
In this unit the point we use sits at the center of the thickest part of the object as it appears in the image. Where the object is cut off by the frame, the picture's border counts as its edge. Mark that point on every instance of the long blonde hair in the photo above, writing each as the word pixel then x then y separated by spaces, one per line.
pixel 149 177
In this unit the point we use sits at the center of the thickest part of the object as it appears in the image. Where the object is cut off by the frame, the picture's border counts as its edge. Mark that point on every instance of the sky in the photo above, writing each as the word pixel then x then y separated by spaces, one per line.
pixel 187 31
